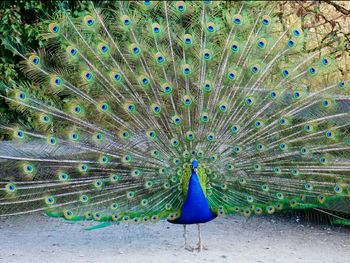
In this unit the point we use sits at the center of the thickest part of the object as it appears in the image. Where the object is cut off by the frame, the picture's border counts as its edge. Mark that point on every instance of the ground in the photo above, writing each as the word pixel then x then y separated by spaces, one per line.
pixel 36 238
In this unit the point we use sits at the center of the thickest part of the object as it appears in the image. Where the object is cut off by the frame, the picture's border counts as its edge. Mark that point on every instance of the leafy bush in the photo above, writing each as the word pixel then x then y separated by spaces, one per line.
pixel 20 24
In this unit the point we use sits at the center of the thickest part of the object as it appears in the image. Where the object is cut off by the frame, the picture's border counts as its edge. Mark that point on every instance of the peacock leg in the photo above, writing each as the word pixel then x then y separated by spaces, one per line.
pixel 187 247
pixel 200 245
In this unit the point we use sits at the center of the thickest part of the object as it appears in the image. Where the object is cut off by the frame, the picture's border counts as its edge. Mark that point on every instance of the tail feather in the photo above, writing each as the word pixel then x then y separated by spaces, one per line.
pixel 125 97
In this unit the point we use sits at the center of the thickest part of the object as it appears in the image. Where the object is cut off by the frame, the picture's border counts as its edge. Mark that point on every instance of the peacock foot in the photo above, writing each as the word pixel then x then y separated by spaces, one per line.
pixel 201 247
pixel 189 248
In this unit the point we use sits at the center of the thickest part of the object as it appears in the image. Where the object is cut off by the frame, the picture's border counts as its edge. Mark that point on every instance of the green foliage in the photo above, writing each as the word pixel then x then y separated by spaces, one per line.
pixel 20 24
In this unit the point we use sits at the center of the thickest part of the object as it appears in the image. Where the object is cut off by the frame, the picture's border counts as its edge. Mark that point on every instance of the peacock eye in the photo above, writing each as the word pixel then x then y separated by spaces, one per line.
pixel 22 96
pixel 104 107
pixel 234 129
pixel 35 61
pixel 58 81
pixel 296 32
pixel 273 94
pixel 262 42
pixel 249 101
pixel 117 77
pixel 88 76
pixel 312 70
pixel 104 49
pixel 296 94
pixel 181 6
pixel 237 21
pixel 160 59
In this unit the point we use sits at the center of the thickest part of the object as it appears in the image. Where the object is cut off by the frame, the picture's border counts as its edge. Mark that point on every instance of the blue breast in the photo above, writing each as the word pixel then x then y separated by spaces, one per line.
pixel 196 208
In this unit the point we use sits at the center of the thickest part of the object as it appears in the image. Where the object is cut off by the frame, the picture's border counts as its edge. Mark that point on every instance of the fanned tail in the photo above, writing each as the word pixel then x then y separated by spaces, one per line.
pixel 124 98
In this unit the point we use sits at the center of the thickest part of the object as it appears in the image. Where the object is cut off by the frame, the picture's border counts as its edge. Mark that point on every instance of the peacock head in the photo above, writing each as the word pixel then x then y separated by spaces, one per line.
pixel 194 166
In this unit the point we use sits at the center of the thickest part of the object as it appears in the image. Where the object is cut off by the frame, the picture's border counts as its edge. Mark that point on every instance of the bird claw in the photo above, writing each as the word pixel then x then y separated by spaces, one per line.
pixel 189 248
pixel 201 247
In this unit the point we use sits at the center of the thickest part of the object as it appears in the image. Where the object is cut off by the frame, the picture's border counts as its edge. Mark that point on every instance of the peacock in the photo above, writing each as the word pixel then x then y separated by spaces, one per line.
pixel 183 111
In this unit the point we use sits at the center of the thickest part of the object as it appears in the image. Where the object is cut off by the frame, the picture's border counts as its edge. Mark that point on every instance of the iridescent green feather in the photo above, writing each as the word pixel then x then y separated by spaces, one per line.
pixel 125 97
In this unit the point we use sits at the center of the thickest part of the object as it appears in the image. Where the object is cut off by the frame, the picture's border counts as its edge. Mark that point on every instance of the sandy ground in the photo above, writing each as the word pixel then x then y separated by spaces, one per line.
pixel 37 238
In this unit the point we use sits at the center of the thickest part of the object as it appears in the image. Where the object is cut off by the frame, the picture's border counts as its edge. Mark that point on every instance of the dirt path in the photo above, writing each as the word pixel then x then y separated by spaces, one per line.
pixel 234 239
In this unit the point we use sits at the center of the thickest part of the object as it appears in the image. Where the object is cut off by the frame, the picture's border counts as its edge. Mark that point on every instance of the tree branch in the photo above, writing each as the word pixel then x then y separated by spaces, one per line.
pixel 339 8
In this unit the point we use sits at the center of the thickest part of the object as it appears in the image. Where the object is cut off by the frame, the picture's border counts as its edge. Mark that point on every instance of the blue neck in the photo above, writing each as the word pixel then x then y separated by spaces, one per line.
pixel 196 208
